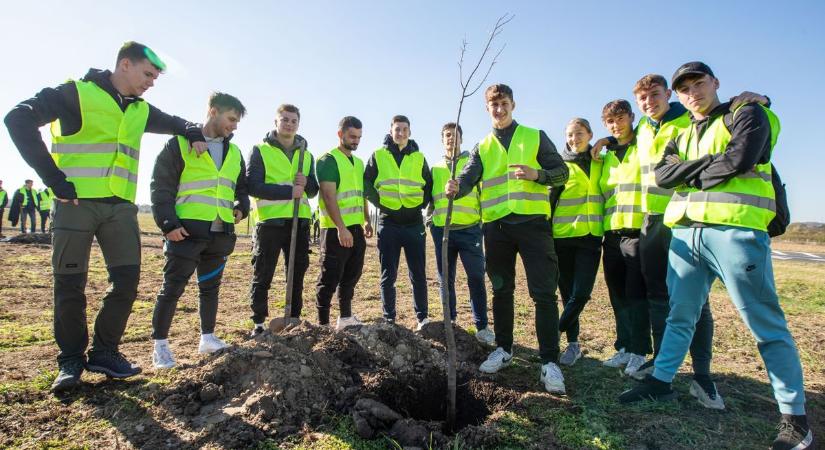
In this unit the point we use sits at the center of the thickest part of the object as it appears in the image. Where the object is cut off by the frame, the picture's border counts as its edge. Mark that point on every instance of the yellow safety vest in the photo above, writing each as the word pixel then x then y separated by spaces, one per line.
pixel 503 194
pixel 350 192
pixel 580 210
pixel 25 201
pixel 746 200
pixel 399 186
pixel 46 197
pixel 281 171
pixel 621 187
pixel 651 145
pixel 102 158
pixel 204 192
pixel 466 210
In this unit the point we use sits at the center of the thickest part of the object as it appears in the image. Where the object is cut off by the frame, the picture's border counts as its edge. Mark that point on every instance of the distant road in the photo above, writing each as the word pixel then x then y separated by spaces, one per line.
pixel 797 256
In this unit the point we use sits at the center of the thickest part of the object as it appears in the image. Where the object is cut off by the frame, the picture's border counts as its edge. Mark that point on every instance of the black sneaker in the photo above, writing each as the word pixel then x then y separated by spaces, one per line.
pixel 68 377
pixel 112 364
pixel 649 389
pixel 794 434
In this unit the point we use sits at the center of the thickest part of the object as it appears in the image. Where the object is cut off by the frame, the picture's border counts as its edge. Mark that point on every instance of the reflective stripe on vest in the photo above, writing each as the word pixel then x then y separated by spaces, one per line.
pixel 501 192
pixel 281 171
pixel 102 158
pixel 650 145
pixel 746 200
pixel 399 186
pixel 580 209
pixel 466 210
pixel 622 190
pixel 349 193
pixel 206 193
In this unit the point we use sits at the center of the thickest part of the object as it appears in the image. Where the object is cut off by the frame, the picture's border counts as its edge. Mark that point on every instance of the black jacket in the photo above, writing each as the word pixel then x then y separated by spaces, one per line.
pixel 256 177
pixel 62 103
pixel 165 181
pixel 401 216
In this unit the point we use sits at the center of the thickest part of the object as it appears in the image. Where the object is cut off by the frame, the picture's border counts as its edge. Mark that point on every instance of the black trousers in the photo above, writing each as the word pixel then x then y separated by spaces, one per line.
pixel 183 258
pixel 44 217
pixel 628 295
pixel 654 247
pixel 341 269
pixel 578 266
pixel 532 240
pixel 270 242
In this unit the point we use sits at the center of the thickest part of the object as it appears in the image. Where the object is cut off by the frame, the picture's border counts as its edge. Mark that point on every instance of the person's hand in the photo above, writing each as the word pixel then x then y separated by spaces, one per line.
pixel 451 188
pixel 178 234
pixel 673 159
pixel 596 150
pixel 300 180
pixel 367 229
pixel 73 201
pixel 747 97
pixel 524 172
pixel 344 237
pixel 297 191
pixel 200 147
pixel 238 215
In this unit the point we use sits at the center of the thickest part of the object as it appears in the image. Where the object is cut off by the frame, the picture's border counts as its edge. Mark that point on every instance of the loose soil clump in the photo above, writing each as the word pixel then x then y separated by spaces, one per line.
pixel 389 379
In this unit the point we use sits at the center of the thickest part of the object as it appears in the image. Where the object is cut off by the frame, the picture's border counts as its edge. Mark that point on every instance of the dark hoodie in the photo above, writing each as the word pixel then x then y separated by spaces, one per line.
pixel 403 216
pixel 62 103
pixel 165 181
pixel 256 176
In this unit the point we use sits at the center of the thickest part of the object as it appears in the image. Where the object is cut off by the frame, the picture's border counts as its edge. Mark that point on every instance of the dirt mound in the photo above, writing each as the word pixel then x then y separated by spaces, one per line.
pixel 388 378
pixel 30 238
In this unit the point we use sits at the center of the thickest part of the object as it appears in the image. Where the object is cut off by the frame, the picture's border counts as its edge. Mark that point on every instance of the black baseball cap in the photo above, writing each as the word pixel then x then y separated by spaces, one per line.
pixel 690 68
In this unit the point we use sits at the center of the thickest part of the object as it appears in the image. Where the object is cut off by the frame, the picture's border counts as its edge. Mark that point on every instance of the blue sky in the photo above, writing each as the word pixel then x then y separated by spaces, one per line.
pixel 377 59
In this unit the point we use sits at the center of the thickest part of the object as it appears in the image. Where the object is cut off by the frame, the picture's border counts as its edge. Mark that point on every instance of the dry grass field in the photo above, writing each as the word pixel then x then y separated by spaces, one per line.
pixel 112 414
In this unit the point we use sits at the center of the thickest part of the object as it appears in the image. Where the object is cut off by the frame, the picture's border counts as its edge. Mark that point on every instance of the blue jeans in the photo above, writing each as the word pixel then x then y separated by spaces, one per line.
pixel 741 259
pixel 465 243
pixel 391 239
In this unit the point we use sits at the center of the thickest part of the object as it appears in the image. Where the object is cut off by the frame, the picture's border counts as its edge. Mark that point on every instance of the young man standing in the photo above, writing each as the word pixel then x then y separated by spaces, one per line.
pixel 515 165
pixel 44 201
pixel 344 221
pixel 98 123
pixel 621 187
pixel 24 206
pixel 720 168
pixel 398 182
pixel 196 202
pixel 465 234
pixel 274 182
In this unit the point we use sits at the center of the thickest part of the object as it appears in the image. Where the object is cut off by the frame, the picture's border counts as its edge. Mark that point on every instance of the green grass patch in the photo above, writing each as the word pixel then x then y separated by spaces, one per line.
pixel 17 335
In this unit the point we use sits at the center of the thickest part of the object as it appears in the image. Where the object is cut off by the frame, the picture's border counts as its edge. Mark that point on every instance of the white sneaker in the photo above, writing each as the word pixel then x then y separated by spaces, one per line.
pixel 486 337
pixel 421 324
pixel 571 354
pixel 257 330
pixel 634 362
pixel 617 360
pixel 495 361
pixel 711 400
pixel 552 378
pixel 162 357
pixel 210 344
pixel 344 322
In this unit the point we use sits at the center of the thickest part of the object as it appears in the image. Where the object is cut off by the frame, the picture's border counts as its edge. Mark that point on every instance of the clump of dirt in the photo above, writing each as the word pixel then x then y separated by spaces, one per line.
pixel 40 239
pixel 388 378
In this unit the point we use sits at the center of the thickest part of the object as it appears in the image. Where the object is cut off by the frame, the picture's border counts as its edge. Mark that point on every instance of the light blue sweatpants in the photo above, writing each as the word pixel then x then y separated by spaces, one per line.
pixel 741 259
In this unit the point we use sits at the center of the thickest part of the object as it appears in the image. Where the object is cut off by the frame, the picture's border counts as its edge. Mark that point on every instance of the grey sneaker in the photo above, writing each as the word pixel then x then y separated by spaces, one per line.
pixel 634 362
pixel 619 359
pixel 486 337
pixel 571 354
pixel 421 324
pixel 68 377
pixel 707 395
pixel 496 361
pixel 644 370
pixel 162 357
